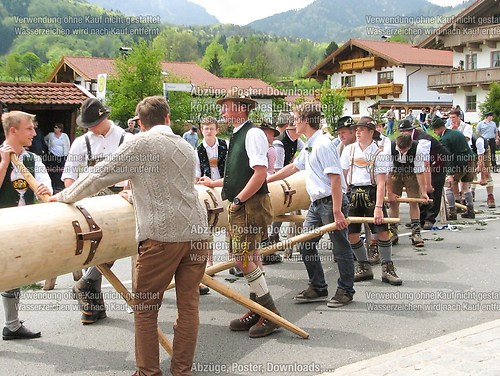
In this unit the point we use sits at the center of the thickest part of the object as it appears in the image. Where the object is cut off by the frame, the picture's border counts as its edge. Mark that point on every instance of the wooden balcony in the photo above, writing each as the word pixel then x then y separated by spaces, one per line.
pixel 449 82
pixel 473 38
pixel 359 65
pixel 383 90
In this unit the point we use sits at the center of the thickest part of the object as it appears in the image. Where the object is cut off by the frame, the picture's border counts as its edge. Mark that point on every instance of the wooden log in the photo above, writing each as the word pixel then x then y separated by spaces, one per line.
pixel 289 218
pixel 39 242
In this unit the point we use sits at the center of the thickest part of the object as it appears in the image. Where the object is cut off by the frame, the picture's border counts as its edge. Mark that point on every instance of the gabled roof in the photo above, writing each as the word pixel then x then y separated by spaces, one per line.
pixel 458 19
pixel 89 67
pixel 41 93
pixel 394 52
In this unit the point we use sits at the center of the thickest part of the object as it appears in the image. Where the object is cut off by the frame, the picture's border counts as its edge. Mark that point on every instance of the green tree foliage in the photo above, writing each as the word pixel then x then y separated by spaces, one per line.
pixel 215 66
pixel 14 67
pixel 332 47
pixel 137 76
pixel 177 44
pixel 212 50
pixel 31 63
pixel 332 104
pixel 492 102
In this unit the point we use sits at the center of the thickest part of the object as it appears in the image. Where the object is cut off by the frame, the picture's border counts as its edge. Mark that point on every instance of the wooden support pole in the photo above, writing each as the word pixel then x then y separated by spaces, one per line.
pixel 27 175
pixel 410 200
pixel 253 306
pixel 127 296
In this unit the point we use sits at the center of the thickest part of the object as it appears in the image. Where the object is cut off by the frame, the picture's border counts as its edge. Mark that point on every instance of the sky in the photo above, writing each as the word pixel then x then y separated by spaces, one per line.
pixel 233 11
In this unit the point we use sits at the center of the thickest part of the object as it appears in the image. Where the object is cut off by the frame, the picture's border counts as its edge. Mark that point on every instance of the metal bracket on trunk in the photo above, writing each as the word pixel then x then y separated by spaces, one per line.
pixel 288 192
pixel 213 213
pixel 94 235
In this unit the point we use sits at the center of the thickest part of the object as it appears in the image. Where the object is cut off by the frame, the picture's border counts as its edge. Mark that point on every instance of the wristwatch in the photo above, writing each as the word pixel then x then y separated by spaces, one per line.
pixel 237 201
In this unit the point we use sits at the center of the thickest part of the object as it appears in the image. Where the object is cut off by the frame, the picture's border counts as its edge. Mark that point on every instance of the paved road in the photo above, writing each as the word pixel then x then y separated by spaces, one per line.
pixel 449 286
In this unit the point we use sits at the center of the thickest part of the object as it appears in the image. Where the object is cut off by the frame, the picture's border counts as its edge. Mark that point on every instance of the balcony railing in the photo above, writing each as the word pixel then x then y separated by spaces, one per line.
pixel 382 90
pixel 359 64
pixel 455 79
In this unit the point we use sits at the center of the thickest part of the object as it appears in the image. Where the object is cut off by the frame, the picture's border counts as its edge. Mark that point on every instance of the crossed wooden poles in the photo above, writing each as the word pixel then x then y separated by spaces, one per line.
pixel 208 280
pixel 231 294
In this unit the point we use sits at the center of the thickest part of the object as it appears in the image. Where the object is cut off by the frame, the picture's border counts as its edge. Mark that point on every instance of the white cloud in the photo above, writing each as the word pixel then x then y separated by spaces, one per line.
pixel 242 13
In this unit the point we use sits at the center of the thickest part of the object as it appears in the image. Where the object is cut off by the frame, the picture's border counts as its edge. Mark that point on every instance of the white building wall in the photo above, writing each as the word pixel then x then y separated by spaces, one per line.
pixel 460 98
pixel 418 87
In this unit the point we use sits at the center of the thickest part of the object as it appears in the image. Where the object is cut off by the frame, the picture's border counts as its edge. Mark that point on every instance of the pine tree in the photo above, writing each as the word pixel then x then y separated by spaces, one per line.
pixel 215 66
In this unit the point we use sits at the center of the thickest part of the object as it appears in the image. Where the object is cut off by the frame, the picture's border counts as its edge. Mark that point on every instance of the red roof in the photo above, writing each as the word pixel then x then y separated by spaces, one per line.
pixel 48 93
pixel 89 67
pixel 394 52
pixel 405 53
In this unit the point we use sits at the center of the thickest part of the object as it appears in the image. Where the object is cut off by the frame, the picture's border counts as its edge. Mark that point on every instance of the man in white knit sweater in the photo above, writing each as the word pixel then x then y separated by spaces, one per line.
pixel 171 228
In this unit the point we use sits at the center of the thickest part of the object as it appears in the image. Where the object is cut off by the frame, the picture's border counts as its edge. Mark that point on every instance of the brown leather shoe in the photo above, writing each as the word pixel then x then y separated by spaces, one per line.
pixel 263 328
pixel 245 322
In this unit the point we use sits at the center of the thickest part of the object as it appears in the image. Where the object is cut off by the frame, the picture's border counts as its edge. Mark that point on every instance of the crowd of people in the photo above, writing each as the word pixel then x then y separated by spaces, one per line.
pixel 360 173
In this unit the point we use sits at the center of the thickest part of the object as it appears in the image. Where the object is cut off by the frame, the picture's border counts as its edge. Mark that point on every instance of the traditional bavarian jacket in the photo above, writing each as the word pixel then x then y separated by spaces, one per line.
pixel 204 168
pixel 411 162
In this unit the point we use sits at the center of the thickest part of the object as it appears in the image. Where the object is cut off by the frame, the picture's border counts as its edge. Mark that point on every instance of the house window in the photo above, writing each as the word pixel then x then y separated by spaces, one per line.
pixel 385 77
pixel 470 103
pixel 355 108
pixel 348 81
pixel 495 59
pixel 471 61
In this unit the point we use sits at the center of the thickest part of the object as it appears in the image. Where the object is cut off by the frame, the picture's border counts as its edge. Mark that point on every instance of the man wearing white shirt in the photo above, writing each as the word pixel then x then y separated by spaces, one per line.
pixel 212 152
pixel 244 185
pixel 326 187
pixel 102 140
pixel 408 166
pixel 365 167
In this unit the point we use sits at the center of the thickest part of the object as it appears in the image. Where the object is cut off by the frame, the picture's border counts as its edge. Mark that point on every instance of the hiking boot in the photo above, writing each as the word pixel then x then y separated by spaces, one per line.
pixel 341 298
pixel 245 322
pixel 89 319
pixel 452 214
pixel 83 292
pixel 311 295
pixel 262 328
pixel 389 274
pixel 373 254
pixel 416 237
pixel 470 213
pixel 363 272
pixel 428 225
pixel 490 201
pixel 99 306
pixel 394 236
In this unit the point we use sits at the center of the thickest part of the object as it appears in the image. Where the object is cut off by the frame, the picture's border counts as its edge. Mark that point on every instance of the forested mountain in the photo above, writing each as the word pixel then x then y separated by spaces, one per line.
pixel 37 33
pixel 176 12
pixel 339 20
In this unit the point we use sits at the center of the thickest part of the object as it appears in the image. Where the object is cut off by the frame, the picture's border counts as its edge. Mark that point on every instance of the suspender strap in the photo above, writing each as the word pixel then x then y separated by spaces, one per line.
pixel 89 151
